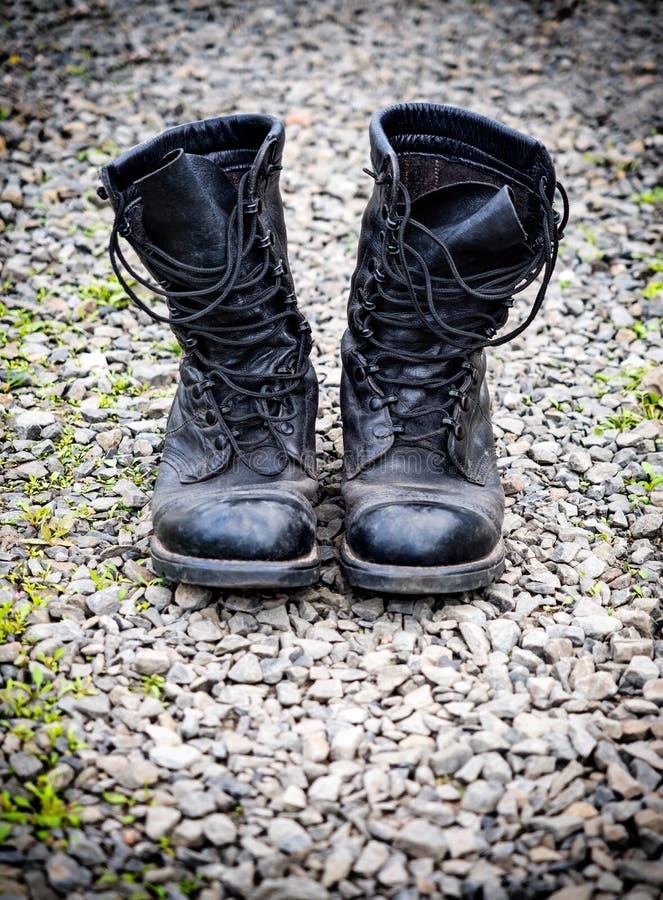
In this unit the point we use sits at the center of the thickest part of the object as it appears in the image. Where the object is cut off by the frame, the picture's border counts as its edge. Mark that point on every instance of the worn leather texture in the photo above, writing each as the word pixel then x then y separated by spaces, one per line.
pixel 420 479
pixel 202 205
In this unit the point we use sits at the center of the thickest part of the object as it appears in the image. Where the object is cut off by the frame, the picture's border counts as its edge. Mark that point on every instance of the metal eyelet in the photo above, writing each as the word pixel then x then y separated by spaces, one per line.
pixel 459 432
pixel 210 417
pixel 360 373
pixel 197 392
pixel 254 207
pixel 464 402
pixel 286 427
pixel 277 268
pixel 375 403
pixel 220 442
pixel 383 431
pixel 474 375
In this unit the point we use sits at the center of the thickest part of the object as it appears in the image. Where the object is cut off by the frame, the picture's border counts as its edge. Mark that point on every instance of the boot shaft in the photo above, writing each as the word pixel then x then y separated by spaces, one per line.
pixel 476 196
pixel 200 206
pixel 460 220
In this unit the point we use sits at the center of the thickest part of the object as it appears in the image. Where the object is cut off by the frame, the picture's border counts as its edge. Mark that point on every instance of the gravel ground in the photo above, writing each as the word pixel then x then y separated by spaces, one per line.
pixel 163 741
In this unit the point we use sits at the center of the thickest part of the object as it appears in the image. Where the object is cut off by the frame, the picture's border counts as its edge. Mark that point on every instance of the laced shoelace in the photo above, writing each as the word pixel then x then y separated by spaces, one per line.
pixel 402 293
pixel 197 311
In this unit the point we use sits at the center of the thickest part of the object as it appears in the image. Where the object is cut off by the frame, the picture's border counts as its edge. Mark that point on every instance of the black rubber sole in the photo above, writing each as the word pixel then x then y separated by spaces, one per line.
pixel 235 573
pixel 422 579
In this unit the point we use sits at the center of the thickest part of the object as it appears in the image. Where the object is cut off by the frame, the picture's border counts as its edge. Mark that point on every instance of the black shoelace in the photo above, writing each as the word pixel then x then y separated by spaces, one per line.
pixel 401 293
pixel 206 300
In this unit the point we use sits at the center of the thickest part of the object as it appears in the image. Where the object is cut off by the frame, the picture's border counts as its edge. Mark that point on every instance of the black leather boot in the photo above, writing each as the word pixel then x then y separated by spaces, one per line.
pixel 200 205
pixel 460 219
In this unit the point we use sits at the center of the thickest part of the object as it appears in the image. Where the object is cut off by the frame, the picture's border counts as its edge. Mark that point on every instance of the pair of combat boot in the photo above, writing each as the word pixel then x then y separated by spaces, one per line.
pixel 461 218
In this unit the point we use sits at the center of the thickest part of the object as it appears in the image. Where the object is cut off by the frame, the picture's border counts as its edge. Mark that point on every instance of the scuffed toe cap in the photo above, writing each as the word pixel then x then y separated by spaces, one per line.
pixel 247 528
pixel 421 534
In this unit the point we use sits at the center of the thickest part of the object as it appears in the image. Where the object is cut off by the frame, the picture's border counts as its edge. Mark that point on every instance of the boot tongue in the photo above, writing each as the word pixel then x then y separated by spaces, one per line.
pixel 186 204
pixel 477 222
pixel 474 220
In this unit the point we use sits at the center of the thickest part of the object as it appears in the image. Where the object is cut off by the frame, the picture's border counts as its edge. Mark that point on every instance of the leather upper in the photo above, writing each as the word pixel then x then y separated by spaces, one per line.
pixel 200 204
pixel 178 192
pixel 457 199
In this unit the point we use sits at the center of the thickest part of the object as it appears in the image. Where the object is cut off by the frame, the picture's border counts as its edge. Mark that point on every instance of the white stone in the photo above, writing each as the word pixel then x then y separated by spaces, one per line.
pixel 246 670
pixel 177 757
pixel 160 820
pixel 219 829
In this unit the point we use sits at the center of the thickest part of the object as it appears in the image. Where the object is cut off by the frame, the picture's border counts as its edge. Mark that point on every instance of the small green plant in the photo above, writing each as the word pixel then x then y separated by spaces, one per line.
pixel 172 348
pixel 562 406
pixel 642 329
pixel 45 812
pixel 105 292
pixel 36 699
pixel 165 845
pixel 153 685
pixel 15 374
pixel 107 576
pixel 653 480
pixel 80 687
pixel 51 529
pixel 22 731
pixel 36 588
pixel 13 621
pixel 191 886
pixel 654 263
pixel 645 485
pixel 51 662
pixel 602 387
pixel 653 197
pixel 117 799
pixel 124 386
pixel 56 732
pixel 624 420
pixel 652 290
